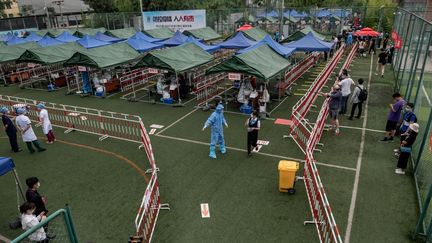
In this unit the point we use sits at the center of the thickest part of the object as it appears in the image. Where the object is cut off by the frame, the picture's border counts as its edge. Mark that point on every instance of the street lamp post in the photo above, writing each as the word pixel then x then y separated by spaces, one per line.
pixel 47 14
pixel 142 15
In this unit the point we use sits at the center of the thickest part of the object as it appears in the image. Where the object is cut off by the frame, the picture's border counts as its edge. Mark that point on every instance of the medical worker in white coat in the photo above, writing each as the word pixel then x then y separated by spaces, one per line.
pixel 24 126
pixel 45 123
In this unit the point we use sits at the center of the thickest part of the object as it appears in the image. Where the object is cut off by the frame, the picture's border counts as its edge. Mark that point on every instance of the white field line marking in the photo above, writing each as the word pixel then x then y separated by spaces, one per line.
pixel 178 120
pixel 264 154
pixel 187 102
pixel 358 128
pixel 426 95
pixel 358 168
pixel 280 103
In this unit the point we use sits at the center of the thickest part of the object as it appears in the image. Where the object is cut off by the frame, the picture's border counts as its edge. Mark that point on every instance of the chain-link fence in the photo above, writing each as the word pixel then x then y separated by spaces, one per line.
pixel 413 70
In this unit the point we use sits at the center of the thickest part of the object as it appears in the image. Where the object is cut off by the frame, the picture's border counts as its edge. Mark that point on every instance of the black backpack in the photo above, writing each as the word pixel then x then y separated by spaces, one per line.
pixel 363 94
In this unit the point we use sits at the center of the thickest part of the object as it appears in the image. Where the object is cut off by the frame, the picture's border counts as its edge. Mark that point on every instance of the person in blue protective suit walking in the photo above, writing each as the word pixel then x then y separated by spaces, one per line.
pixel 216 121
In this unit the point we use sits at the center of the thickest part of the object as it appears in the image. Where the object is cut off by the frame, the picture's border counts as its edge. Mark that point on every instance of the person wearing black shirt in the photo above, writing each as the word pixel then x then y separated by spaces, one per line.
pixel 406 147
pixel 372 46
pixel 382 61
pixel 32 195
pixel 253 126
pixel 10 130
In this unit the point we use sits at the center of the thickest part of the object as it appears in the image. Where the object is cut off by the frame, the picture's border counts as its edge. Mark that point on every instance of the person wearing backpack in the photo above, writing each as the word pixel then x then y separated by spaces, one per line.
pixel 359 96
pixel 408 118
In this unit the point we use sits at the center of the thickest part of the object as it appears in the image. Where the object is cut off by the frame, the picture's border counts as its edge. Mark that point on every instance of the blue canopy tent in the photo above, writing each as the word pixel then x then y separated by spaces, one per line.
pixel 272 14
pixel 177 39
pixel 33 37
pixel 141 45
pixel 90 42
pixel 207 48
pixel 293 13
pixel 102 37
pixel 67 37
pixel 239 41
pixel 140 35
pixel 15 41
pixel 280 49
pixel 341 13
pixel 48 41
pixel 310 43
pixel 6 37
pixel 6 165
pixel 323 13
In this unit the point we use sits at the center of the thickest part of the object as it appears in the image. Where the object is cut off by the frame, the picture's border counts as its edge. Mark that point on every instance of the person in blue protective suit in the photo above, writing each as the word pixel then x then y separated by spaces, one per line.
pixel 349 39
pixel 216 121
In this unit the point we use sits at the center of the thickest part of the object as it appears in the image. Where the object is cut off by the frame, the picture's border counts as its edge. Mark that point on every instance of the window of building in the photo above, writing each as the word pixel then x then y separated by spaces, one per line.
pixel 10 15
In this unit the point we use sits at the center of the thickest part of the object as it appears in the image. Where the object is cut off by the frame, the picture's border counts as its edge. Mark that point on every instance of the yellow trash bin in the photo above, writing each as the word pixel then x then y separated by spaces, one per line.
pixel 287 175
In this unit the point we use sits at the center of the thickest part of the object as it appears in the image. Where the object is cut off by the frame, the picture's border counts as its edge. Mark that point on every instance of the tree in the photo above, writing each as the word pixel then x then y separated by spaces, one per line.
pixel 102 6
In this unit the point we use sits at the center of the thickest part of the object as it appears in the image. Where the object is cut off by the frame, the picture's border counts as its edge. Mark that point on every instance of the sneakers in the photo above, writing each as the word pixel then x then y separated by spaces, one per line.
pixel 384 140
pixel 337 132
pixel 400 171
pixel 350 118
pixel 42 149
pixel 396 150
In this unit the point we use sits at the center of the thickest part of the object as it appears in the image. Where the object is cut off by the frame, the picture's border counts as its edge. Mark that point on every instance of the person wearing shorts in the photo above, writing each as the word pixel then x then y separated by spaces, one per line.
pixel 393 117
pixel 335 96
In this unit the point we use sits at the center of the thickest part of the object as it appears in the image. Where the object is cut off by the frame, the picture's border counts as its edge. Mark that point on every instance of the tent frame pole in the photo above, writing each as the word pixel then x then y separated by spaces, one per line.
pixel 18 183
pixel 178 88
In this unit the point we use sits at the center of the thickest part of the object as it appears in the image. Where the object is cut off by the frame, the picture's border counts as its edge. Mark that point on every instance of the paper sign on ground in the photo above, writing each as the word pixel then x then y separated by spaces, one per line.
pixel 205 210
pixel 152 131
pixel 263 142
pixel 157 126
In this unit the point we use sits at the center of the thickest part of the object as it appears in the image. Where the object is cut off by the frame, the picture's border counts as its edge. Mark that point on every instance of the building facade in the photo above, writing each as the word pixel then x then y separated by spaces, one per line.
pixel 11 9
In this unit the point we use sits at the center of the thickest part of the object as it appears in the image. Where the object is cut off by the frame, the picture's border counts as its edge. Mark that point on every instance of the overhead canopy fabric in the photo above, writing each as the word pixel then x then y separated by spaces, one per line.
pixel 160 33
pixel 176 59
pixel 91 42
pixel 323 13
pixel 302 33
pixel 273 14
pixel 33 37
pixel 205 34
pixel 140 35
pixel 6 37
pixel 249 19
pixel 256 34
pixel 310 43
pixel 177 39
pixel 12 53
pixel 6 165
pixel 15 41
pixel 261 62
pixel 239 41
pixel 106 38
pixel 104 57
pixel 280 49
pixel 51 54
pixel 207 48
pixel 293 13
pixel 48 41
pixel 87 31
pixel 142 45
pixel 67 37
pixel 122 33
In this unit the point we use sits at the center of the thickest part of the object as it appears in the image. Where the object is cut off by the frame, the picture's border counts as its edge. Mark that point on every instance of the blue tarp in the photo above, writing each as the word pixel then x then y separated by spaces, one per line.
pixel 33 37
pixel 67 37
pixel 273 14
pixel 6 37
pixel 140 35
pixel 324 13
pixel 341 13
pixel 239 41
pixel 207 48
pixel 280 49
pixel 90 42
pixel 142 46
pixel 177 39
pixel 48 41
pixel 106 38
pixel 310 43
pixel 15 41
pixel 6 165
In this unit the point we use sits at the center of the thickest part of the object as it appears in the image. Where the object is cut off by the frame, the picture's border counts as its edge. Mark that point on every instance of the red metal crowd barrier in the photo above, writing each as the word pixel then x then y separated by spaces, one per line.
pixel 323 218
pixel 297 71
pixel 209 87
pixel 304 104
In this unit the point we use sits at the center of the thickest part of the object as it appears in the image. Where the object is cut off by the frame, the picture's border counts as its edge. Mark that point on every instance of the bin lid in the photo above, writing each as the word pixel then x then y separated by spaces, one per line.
pixel 286 165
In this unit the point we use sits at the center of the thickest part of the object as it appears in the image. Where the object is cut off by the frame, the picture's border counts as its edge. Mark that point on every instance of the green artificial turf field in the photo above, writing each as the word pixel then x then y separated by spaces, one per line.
pixel 104 190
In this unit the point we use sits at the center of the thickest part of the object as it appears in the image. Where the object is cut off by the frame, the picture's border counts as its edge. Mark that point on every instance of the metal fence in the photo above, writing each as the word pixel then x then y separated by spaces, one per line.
pixel 412 66
pixel 225 21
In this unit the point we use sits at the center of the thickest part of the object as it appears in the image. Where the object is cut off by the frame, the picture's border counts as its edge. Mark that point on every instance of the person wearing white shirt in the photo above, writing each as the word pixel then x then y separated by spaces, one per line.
pixel 29 220
pixel 45 123
pixel 345 85
pixel 24 125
